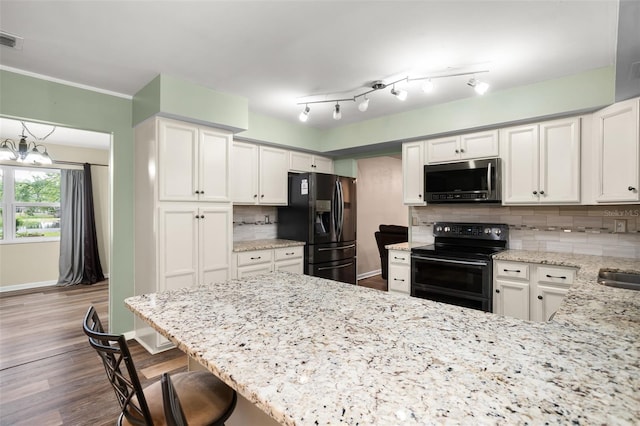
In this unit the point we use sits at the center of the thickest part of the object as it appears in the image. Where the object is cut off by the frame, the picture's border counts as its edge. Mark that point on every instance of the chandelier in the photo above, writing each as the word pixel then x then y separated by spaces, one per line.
pixel 479 86
pixel 26 152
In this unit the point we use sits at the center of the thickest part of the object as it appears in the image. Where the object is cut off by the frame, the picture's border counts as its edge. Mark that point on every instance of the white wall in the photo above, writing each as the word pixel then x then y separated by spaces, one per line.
pixel 379 198
pixel 30 264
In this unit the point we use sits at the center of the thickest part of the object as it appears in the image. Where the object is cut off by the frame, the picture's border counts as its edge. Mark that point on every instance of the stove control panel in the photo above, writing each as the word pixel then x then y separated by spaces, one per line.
pixel 477 231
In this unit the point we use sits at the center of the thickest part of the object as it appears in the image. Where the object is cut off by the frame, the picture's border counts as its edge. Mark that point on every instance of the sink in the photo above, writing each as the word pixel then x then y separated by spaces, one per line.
pixel 626 280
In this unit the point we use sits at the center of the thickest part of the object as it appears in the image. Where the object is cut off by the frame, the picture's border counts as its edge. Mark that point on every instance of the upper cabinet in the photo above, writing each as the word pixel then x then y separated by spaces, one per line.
pixel 303 162
pixel 617 156
pixel 192 162
pixel 413 173
pixel 259 174
pixel 542 163
pixel 462 147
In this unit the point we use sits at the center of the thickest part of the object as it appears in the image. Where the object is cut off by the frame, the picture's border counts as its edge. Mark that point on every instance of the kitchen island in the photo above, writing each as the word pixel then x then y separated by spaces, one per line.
pixel 311 351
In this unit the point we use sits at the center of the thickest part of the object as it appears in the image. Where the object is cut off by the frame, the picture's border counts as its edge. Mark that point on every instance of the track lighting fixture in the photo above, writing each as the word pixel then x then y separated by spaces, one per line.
pixel 304 115
pixel 364 105
pixel 400 94
pixel 337 115
pixel 479 86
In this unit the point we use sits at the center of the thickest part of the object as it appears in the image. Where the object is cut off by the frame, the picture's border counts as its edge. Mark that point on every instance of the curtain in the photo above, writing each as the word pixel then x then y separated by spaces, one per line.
pixel 79 260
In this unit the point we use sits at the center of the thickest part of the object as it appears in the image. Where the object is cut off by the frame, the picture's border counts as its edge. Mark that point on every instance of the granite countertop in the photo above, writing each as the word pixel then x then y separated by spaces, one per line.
pixel 406 246
pixel 311 351
pixel 265 244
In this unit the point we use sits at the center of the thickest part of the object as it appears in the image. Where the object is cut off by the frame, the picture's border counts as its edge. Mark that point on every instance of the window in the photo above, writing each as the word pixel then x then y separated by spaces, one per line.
pixel 30 204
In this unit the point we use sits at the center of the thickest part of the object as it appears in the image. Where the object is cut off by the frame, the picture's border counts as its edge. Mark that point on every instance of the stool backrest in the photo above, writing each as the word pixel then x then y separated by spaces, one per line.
pixel 114 352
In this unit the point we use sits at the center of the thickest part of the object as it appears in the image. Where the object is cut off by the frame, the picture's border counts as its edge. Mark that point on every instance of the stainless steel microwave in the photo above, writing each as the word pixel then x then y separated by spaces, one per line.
pixel 472 181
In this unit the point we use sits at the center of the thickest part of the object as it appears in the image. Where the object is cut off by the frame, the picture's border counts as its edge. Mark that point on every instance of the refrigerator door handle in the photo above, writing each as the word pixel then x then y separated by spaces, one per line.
pixel 340 209
pixel 326 268
pixel 337 248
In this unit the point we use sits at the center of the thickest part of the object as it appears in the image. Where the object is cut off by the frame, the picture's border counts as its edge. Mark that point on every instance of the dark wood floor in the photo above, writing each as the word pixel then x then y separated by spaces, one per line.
pixel 375 281
pixel 49 375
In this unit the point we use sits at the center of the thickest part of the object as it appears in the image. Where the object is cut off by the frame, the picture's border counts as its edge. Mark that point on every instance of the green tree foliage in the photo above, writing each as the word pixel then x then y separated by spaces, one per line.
pixel 38 188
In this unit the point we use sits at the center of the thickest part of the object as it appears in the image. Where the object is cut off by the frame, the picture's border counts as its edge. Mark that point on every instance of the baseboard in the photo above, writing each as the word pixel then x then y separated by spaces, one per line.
pixel 369 274
pixel 28 286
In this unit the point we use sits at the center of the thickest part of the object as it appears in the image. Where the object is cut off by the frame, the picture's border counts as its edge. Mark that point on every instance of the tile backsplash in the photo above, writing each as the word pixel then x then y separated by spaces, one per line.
pixel 568 229
pixel 254 223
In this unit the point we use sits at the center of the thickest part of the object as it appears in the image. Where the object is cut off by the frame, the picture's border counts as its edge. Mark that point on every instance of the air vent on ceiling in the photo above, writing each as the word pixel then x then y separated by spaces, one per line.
pixel 11 40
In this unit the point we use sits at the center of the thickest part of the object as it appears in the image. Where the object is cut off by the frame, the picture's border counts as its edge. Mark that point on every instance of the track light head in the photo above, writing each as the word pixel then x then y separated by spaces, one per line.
pixel 364 105
pixel 479 86
pixel 304 115
pixel 337 115
pixel 400 94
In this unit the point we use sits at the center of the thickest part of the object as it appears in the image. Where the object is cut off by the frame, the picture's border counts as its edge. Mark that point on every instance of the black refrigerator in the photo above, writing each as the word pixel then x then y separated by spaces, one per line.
pixel 322 213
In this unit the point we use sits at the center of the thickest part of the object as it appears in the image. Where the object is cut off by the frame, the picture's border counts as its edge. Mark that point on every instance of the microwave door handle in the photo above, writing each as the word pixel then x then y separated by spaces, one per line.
pixel 489 178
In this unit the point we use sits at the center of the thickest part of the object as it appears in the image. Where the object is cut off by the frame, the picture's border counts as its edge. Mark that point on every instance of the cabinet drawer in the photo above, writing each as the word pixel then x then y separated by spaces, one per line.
pixel 399 279
pixel 254 257
pixel 400 257
pixel 547 274
pixel 512 270
pixel 288 253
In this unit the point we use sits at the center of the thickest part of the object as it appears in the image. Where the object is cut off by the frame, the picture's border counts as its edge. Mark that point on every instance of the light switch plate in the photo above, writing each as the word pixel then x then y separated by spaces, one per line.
pixel 620 225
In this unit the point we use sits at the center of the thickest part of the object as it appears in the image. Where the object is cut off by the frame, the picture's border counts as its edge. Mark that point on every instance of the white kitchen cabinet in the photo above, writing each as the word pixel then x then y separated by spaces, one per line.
pixel 511 290
pixel 260 174
pixel 399 272
pixel 304 162
pixel 617 157
pixel 183 212
pixel 462 147
pixel 256 262
pixel 413 173
pixel 542 163
pixel 193 162
pixel 530 291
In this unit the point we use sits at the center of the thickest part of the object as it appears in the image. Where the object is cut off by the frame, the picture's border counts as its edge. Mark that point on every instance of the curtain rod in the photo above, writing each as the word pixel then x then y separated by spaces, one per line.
pixel 77 163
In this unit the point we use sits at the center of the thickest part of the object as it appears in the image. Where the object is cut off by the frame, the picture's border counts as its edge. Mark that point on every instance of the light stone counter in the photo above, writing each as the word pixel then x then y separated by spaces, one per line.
pixel 265 244
pixel 403 246
pixel 311 351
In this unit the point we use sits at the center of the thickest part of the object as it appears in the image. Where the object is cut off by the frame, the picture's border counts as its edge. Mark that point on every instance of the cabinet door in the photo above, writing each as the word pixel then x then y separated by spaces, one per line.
pixel 253 270
pixel 215 225
pixel 547 301
pixel 399 280
pixel 511 299
pixel 322 164
pixel 618 156
pixel 244 173
pixel 300 162
pixel 178 251
pixel 274 164
pixel 521 166
pixel 177 156
pixel 443 149
pixel 214 158
pixel 295 266
pixel 413 173
pixel 560 161
pixel 479 145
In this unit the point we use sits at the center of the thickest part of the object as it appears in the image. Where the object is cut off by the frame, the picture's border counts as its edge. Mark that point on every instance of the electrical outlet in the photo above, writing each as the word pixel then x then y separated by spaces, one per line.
pixel 620 225
pixel 414 221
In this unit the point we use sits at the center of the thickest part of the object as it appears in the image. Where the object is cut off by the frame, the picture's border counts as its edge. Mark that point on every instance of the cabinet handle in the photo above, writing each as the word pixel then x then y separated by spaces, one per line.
pixel 256 258
pixel 255 195
pixel 631 188
pixel 262 196
pixel 197 192
pixel 539 297
pixel 535 192
pixel 541 192
pixel 398 258
pixel 197 217
pixel 289 254
pixel 419 195
pixel 461 149
pixel 512 270
pixel 552 276
pixel 398 279
pixel 497 290
pixel 457 151
pixel 313 165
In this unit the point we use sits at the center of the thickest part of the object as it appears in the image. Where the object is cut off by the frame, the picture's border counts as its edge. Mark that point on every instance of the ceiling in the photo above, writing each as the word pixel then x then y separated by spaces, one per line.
pixel 279 53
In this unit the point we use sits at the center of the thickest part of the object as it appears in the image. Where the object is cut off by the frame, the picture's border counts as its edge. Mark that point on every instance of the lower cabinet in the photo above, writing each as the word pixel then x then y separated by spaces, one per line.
pixel 256 262
pixel 399 275
pixel 529 291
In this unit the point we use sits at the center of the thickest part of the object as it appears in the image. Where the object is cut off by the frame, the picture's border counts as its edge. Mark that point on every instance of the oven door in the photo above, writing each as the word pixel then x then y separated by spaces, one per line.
pixel 465 283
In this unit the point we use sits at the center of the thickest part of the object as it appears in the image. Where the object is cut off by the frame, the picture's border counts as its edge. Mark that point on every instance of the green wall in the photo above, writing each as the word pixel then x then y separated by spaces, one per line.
pixel 33 99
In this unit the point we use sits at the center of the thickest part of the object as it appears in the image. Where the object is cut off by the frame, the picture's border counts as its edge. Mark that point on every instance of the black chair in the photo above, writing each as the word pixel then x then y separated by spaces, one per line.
pixel 204 399
pixel 389 234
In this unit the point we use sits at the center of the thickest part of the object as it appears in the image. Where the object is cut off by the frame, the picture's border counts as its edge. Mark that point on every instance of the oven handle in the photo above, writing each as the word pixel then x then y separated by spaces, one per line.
pixel 337 248
pixel 328 268
pixel 459 262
